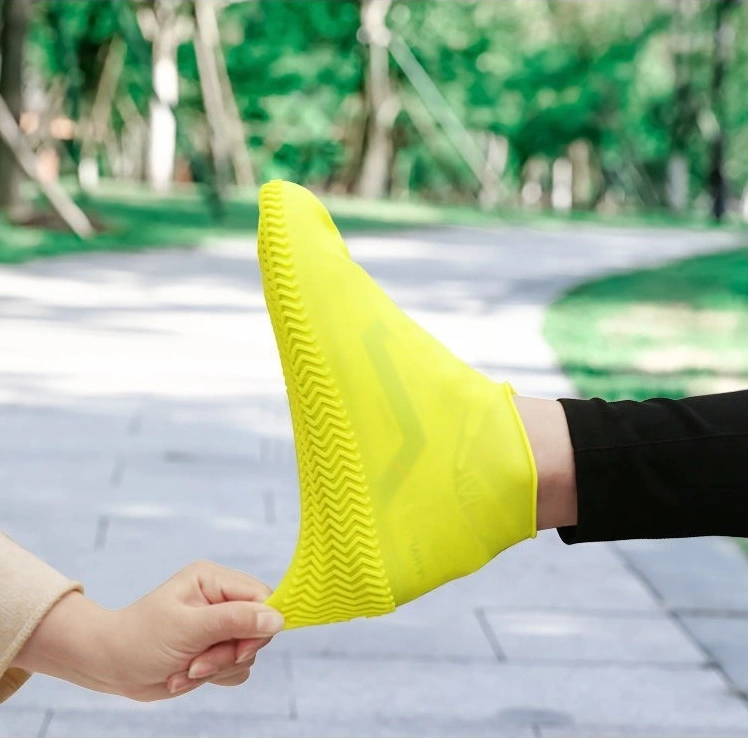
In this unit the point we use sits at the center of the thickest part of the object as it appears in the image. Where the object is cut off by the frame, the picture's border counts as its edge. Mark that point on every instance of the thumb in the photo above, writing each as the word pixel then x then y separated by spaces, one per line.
pixel 236 620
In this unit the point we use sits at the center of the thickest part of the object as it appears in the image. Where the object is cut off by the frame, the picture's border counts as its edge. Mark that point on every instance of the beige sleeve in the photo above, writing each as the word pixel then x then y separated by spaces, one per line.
pixel 28 589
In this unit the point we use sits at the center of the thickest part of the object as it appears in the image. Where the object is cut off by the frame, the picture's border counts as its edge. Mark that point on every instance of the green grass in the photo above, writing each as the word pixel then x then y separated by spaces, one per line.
pixel 674 331
pixel 136 218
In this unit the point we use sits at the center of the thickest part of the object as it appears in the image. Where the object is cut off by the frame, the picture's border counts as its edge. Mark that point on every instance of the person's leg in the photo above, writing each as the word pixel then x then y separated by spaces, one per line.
pixel 659 468
pixel 634 470
pixel 546 426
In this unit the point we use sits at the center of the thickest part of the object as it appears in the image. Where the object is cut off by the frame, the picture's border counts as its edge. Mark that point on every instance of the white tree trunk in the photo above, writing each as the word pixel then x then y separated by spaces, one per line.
pixel 382 103
pixel 561 184
pixel 678 182
pixel 162 143
pixel 582 184
pixel 497 151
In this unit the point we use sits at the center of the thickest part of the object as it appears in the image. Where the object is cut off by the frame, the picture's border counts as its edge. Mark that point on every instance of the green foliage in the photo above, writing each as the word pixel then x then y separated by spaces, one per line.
pixel 673 331
pixel 541 74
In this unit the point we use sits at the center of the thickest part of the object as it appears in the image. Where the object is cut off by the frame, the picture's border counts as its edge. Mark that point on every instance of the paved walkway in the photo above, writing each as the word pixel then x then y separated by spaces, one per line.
pixel 143 425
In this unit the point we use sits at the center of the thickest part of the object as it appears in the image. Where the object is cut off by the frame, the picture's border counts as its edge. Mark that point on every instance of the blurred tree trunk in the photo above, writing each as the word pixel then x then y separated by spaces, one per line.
pixel 721 42
pixel 381 102
pixel 228 141
pixel 96 128
pixel 497 152
pixel 684 116
pixel 207 24
pixel 13 139
pixel 15 19
pixel 166 29
pixel 578 153
pixel 205 42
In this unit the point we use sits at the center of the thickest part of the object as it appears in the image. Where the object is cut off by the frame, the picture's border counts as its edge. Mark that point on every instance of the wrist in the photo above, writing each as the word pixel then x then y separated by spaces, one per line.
pixel 74 642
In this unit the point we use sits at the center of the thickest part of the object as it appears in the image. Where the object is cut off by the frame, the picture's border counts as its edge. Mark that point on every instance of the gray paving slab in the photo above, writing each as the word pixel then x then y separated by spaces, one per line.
pixel 268 694
pixel 197 487
pixel 73 480
pixel 73 537
pixel 545 573
pixel 725 640
pixel 580 638
pixel 16 722
pixel 703 574
pixel 46 429
pixel 580 694
pixel 711 732
pixel 253 427
pixel 207 724
pixel 413 632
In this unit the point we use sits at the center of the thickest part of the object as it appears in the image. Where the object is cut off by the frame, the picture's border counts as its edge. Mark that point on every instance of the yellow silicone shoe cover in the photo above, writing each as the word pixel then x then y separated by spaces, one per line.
pixel 414 469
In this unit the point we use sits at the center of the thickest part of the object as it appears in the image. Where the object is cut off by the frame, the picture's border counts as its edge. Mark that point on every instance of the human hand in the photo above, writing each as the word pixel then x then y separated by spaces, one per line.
pixel 205 624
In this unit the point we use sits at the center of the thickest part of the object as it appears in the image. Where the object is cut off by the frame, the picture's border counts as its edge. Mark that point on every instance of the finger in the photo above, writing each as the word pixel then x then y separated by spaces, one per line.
pixel 220 584
pixel 225 655
pixel 235 620
pixel 236 670
pixel 178 684
pixel 248 648
pixel 233 679
pixel 217 658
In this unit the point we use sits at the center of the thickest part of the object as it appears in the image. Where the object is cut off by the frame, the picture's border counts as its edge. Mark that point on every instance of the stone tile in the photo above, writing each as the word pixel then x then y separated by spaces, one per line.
pixel 267 694
pixel 52 534
pixel 545 573
pixel 72 481
pixel 725 640
pixel 43 430
pixel 514 693
pixel 200 487
pixel 699 574
pixel 248 427
pixel 210 724
pixel 16 722
pixel 410 633
pixel 575 637
pixel 123 723
pixel 673 730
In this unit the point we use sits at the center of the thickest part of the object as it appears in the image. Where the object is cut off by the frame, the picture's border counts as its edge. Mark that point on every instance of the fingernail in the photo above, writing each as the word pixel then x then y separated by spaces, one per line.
pixel 201 669
pixel 179 683
pixel 269 622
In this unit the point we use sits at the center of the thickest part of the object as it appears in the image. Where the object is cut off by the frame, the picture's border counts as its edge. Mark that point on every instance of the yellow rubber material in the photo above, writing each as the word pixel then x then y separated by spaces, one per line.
pixel 414 469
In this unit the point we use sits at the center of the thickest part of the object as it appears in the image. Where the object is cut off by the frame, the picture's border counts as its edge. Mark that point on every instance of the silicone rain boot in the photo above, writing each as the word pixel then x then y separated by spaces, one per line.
pixel 414 469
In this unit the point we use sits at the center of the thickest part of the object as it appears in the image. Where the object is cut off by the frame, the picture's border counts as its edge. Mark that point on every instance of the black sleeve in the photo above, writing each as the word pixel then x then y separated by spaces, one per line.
pixel 659 468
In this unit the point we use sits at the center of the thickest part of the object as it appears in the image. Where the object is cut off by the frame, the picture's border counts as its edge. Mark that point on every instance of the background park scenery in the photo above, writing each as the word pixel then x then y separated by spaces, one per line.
pixel 160 118
pixel 557 189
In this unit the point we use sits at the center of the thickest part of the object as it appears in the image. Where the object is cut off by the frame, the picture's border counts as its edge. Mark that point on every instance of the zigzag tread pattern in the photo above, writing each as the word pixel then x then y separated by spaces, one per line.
pixel 337 572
